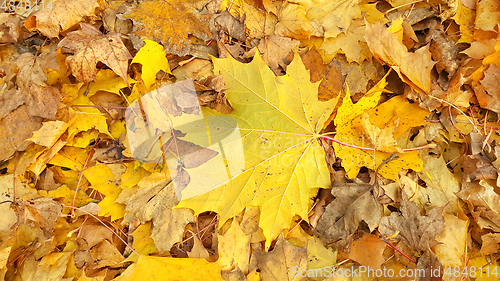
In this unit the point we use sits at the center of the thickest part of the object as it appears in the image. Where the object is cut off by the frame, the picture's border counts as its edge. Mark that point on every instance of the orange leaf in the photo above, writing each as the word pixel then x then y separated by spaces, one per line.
pixel 413 68
pixel 171 23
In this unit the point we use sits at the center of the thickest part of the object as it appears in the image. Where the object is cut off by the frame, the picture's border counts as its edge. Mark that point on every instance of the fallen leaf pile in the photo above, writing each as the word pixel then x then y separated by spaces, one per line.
pixel 249 139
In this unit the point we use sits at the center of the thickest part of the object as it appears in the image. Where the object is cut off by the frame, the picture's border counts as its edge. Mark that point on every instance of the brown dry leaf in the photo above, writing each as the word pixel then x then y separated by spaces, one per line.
pixel 481 48
pixel 482 201
pixel 192 154
pixel 90 235
pixel 90 46
pixel 154 200
pixel 443 50
pixel 46 181
pixel 331 79
pixel 12 139
pixel 368 251
pixel 231 26
pixel 105 254
pixel 413 68
pixel 415 230
pixel 7 221
pixel 276 52
pixel 441 185
pixel 63 15
pixel 359 76
pixel 488 92
pixel 32 88
pixel 42 213
pixel 95 248
pixel 171 23
pixel 10 29
pixel 51 267
pixel 491 244
pixel 343 215
pixel 478 167
pixel 324 194
pixel 277 264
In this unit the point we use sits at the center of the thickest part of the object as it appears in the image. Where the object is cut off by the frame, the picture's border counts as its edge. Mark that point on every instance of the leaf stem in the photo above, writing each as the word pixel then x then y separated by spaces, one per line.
pixel 454 106
pixel 430 145
pixel 346 144
pixel 103 106
pixel 398 250
pixel 91 152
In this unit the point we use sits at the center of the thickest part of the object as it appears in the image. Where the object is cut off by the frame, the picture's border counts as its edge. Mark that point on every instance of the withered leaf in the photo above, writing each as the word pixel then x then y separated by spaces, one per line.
pixel 413 68
pixel 154 201
pixel 90 46
pixel 277 264
pixel 12 139
pixel 482 201
pixel 64 14
pixel 353 203
pixel 32 88
pixel 415 230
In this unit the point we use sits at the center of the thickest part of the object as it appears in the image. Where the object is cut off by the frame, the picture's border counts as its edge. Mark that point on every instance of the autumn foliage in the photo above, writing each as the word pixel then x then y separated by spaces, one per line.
pixel 249 140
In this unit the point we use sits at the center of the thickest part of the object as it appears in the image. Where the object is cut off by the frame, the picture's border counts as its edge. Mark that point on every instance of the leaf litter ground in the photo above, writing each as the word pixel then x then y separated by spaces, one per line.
pixel 120 173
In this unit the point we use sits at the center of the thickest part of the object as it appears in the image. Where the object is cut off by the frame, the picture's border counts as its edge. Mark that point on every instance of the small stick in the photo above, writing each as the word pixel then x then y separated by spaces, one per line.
pixel 80 177
pixel 109 228
pixel 399 251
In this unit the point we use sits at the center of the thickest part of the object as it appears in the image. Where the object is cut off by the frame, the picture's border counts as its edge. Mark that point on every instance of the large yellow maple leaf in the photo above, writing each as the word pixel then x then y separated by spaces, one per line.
pixel 268 153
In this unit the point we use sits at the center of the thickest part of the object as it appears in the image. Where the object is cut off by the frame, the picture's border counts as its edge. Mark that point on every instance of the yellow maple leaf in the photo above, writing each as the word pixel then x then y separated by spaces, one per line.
pixel 106 80
pixel 162 268
pixel 351 42
pixel 382 139
pixel 51 267
pixel 487 14
pixel 234 7
pixel 452 242
pixel 465 18
pixel 152 58
pixel 398 111
pixel 86 118
pixel 278 161
pixel 143 244
pixel 266 151
pixel 234 248
pixel 103 179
